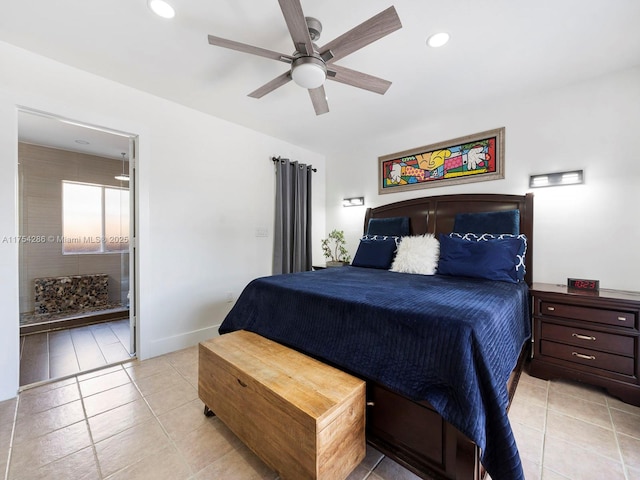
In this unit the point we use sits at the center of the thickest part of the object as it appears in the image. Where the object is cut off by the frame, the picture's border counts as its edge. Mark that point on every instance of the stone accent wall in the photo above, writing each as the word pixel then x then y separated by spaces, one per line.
pixel 70 294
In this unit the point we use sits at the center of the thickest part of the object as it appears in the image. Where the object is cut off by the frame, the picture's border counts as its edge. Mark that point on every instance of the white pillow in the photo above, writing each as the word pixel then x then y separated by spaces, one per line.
pixel 417 254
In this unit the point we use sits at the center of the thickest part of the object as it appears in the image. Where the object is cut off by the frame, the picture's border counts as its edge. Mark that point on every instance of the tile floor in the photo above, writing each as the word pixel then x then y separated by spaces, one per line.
pixel 60 353
pixel 143 420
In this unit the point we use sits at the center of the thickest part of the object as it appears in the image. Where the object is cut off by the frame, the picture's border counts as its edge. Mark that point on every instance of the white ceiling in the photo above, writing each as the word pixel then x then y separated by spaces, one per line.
pixel 63 134
pixel 498 49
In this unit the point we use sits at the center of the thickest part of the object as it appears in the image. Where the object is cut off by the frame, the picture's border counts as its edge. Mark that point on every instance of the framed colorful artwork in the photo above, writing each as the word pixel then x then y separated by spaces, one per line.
pixel 473 158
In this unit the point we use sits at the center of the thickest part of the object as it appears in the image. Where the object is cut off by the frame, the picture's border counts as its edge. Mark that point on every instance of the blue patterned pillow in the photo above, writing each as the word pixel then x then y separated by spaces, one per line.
pixel 493 256
pixel 376 251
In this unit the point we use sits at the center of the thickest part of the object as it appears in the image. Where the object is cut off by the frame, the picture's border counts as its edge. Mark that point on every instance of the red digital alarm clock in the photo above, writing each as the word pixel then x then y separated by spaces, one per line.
pixel 583 285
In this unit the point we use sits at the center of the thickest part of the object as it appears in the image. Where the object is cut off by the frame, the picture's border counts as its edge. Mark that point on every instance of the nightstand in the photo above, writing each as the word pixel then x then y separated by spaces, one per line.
pixel 588 337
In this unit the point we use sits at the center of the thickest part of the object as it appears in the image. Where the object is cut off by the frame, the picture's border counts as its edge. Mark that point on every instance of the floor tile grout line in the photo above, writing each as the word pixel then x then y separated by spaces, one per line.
pixel 93 443
pixel 118 341
pixel 544 426
pixel 590 388
pixel 164 430
pixel 613 430
pixel 582 419
pixel 173 443
pixel 126 348
pixel 86 420
pixel 115 333
pixel 98 345
pixel 615 437
pixel 69 375
pixel 583 399
pixel 77 369
pixel 374 467
pixel 60 428
pixel 623 411
pixel 607 405
pixel 97 377
pixel 75 352
pixel 593 453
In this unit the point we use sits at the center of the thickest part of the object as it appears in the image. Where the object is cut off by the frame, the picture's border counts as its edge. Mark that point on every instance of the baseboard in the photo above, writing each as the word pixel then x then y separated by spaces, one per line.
pixel 161 346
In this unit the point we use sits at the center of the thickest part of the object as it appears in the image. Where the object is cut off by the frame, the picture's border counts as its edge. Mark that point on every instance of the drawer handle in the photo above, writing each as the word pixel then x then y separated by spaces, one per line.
pixel 583 337
pixel 622 319
pixel 581 355
pixel 551 309
pixel 242 384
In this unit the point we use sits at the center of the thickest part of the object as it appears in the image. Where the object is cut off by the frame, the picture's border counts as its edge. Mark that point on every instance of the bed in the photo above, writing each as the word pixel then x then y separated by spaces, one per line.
pixel 441 354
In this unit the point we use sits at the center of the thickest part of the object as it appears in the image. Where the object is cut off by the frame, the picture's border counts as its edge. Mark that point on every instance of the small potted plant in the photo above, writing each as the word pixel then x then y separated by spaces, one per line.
pixel 334 250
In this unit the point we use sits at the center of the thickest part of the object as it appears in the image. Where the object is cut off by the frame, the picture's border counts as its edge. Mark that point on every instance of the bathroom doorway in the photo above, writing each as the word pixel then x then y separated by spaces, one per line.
pixel 77 263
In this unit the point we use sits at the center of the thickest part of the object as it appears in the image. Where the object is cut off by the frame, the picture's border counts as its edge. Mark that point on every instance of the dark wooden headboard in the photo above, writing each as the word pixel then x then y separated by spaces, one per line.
pixel 436 214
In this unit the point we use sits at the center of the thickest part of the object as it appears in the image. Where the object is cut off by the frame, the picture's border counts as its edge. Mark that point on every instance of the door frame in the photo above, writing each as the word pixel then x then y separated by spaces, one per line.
pixel 133 141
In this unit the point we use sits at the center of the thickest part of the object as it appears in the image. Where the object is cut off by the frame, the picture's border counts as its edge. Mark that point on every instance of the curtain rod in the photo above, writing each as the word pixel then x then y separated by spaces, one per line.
pixel 277 159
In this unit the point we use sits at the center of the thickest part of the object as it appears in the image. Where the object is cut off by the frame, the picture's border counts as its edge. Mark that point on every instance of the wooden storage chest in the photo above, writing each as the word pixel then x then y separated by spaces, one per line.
pixel 304 419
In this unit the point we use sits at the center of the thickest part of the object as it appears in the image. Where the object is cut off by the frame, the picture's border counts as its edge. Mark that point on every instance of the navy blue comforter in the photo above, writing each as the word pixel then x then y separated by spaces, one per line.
pixel 451 341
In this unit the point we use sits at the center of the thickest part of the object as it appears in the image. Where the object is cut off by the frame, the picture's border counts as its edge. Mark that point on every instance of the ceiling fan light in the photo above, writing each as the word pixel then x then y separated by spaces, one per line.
pixel 438 39
pixel 309 72
pixel 162 8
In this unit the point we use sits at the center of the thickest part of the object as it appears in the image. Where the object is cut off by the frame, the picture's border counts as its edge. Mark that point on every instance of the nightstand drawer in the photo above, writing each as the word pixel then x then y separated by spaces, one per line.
pixel 587 314
pixel 589 339
pixel 591 358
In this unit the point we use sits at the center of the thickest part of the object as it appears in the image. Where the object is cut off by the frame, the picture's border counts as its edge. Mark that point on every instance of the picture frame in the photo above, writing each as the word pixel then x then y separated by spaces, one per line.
pixel 472 158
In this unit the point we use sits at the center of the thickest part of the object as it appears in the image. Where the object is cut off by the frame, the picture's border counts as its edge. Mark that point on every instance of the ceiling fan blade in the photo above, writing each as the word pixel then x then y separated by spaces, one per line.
pixel 367 32
pixel 243 47
pixel 319 100
pixel 359 79
pixel 272 85
pixel 297 25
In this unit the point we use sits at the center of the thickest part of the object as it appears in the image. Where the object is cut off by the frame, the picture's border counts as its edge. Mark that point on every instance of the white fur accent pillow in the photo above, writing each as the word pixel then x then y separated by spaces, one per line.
pixel 417 254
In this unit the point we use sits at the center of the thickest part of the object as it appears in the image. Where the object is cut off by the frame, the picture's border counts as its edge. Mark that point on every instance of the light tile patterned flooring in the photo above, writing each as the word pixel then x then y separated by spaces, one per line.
pixel 143 420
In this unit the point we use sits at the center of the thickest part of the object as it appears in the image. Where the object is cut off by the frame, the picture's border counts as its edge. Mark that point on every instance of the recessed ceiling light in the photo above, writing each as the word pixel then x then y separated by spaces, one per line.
pixel 438 39
pixel 162 8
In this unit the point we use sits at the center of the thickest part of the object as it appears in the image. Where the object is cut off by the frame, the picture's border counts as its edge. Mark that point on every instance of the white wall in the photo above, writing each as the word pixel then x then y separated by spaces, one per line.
pixel 587 231
pixel 205 185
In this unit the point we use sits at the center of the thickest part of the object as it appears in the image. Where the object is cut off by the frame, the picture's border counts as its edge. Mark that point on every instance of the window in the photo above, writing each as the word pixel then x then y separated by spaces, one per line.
pixel 95 218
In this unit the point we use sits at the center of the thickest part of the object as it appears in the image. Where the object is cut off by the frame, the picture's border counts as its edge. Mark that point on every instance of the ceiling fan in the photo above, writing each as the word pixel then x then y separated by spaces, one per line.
pixel 310 65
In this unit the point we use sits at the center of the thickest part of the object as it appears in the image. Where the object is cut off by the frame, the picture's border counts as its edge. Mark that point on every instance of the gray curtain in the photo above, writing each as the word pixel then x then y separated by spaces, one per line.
pixel 292 231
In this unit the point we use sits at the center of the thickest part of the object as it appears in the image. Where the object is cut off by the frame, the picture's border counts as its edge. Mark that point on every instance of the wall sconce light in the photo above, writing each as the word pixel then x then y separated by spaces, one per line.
pixel 353 202
pixel 556 179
